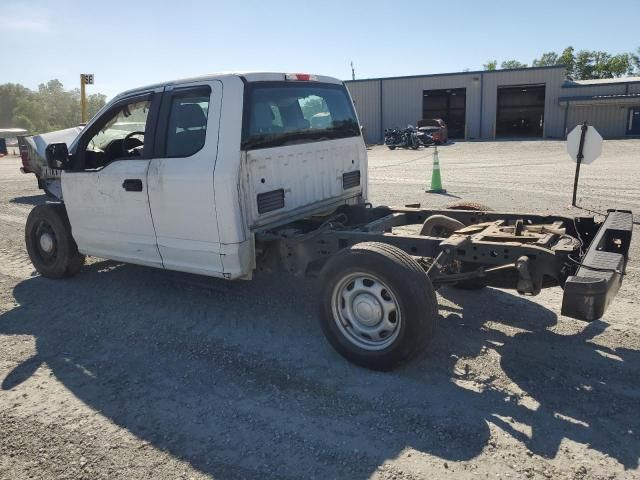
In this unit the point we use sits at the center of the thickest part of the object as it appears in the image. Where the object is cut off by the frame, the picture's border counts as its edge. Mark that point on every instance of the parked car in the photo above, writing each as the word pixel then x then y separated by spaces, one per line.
pixel 255 179
pixel 436 128
pixel 33 153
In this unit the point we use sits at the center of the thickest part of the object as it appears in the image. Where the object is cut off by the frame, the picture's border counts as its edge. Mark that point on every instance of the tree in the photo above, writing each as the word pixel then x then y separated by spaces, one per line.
pixel 491 65
pixel 94 103
pixel 9 95
pixel 568 59
pixel 596 64
pixel 507 64
pixel 615 66
pixel 546 60
pixel 49 108
pixel 635 58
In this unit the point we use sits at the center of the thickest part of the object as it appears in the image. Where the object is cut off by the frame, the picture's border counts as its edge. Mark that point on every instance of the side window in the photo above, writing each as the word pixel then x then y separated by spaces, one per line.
pixel 187 126
pixel 119 134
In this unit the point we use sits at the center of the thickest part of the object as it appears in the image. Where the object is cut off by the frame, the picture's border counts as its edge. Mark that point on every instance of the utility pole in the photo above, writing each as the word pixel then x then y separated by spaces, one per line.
pixel 85 79
pixel 353 72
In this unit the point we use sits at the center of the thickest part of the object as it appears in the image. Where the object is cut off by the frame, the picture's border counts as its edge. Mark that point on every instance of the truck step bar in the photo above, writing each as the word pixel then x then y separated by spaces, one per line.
pixel 588 293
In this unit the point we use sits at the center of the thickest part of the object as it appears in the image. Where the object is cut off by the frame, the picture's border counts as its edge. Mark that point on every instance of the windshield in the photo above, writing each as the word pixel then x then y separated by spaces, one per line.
pixel 284 113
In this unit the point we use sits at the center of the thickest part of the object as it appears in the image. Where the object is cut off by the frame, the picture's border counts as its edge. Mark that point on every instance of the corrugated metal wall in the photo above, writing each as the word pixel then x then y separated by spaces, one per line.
pixel 402 101
pixel 366 98
pixel 551 78
pixel 397 102
pixel 610 120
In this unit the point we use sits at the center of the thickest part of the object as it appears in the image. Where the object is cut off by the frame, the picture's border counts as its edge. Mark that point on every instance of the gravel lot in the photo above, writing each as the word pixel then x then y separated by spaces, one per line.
pixel 128 372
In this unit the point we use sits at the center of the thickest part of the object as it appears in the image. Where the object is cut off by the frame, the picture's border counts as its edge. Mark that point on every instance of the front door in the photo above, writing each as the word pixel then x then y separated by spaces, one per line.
pixel 633 127
pixel 106 194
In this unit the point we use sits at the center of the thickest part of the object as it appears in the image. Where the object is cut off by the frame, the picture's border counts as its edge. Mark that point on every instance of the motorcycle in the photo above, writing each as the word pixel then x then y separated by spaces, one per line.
pixel 406 138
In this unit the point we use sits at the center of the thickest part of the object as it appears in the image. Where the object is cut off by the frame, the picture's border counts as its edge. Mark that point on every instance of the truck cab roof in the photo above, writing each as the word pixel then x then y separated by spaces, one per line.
pixel 244 76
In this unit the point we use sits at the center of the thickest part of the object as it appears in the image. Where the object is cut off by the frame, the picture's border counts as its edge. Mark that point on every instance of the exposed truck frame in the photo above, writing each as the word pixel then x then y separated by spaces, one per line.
pixel 524 252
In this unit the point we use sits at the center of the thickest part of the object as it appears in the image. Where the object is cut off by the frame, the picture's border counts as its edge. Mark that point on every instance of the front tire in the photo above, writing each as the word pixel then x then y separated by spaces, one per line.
pixel 379 308
pixel 51 248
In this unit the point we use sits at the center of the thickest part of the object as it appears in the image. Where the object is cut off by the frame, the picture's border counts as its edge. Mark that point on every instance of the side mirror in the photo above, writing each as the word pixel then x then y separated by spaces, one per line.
pixel 58 156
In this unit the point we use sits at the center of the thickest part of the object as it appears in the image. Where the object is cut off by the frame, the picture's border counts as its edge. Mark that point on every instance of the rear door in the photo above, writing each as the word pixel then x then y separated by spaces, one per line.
pixel 180 179
pixel 304 150
pixel 106 195
pixel 633 127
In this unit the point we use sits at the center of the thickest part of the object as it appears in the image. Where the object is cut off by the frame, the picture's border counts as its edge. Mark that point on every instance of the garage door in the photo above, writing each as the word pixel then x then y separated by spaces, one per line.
pixel 520 111
pixel 449 105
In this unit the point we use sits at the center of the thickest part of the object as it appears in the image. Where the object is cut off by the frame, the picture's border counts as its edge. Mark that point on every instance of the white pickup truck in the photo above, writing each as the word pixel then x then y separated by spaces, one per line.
pixel 223 175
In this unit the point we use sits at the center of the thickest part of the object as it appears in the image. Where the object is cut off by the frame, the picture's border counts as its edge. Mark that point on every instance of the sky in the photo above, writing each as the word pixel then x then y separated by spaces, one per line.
pixel 131 43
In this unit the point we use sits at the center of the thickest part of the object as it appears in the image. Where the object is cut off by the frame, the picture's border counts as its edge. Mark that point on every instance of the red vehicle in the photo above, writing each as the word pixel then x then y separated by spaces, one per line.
pixel 436 128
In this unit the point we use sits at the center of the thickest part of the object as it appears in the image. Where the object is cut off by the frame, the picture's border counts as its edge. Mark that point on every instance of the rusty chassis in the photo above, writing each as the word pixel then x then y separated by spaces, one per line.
pixel 525 252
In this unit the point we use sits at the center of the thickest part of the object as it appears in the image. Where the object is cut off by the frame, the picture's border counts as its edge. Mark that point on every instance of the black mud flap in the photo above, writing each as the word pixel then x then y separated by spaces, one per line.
pixel 588 293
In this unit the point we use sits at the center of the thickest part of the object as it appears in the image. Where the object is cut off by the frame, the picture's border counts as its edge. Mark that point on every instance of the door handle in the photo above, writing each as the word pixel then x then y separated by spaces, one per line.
pixel 132 185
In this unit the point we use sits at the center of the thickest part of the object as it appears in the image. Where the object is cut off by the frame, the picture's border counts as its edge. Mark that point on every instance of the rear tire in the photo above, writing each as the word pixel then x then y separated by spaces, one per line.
pixel 51 248
pixel 379 308
pixel 391 147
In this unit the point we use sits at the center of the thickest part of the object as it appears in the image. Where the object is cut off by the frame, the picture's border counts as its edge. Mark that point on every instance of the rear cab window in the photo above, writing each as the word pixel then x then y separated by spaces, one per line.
pixel 286 113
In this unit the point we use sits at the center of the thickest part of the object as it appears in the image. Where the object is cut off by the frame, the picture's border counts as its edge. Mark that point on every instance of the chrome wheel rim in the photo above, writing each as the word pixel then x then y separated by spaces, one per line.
pixel 366 311
pixel 46 242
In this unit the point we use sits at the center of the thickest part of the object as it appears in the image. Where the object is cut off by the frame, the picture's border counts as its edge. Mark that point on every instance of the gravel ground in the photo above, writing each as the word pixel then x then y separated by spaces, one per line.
pixel 128 372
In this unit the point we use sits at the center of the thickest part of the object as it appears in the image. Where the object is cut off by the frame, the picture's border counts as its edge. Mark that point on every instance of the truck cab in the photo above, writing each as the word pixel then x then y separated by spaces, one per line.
pixel 181 175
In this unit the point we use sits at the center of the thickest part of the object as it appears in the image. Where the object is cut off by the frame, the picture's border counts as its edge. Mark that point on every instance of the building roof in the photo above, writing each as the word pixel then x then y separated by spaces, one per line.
pixel 600 81
pixel 474 72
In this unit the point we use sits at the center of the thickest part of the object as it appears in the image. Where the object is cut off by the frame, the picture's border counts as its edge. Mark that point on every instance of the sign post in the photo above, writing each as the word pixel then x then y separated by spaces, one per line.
pixel 584 145
pixel 85 79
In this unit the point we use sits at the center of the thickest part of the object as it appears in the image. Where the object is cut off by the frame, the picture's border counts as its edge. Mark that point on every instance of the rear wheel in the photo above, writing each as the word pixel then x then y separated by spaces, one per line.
pixel 379 308
pixel 51 247
pixel 391 147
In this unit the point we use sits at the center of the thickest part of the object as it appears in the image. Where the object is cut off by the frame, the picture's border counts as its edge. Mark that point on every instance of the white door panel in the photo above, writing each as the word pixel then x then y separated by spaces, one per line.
pixel 310 174
pixel 182 202
pixel 106 220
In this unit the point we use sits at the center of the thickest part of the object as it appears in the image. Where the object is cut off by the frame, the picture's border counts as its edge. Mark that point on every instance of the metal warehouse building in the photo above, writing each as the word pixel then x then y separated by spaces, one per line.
pixel 529 102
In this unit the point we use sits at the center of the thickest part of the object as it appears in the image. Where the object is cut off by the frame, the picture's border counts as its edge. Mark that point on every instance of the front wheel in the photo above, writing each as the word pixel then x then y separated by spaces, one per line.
pixel 51 248
pixel 379 308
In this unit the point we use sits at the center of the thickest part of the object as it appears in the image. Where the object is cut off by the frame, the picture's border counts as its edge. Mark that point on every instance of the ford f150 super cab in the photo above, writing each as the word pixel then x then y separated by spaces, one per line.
pixel 227 174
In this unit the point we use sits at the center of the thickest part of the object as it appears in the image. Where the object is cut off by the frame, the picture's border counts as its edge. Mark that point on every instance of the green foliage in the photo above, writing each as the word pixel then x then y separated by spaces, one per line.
pixel 49 108
pixel 491 65
pixel 568 59
pixel 584 65
pixel 547 59
pixel 507 64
